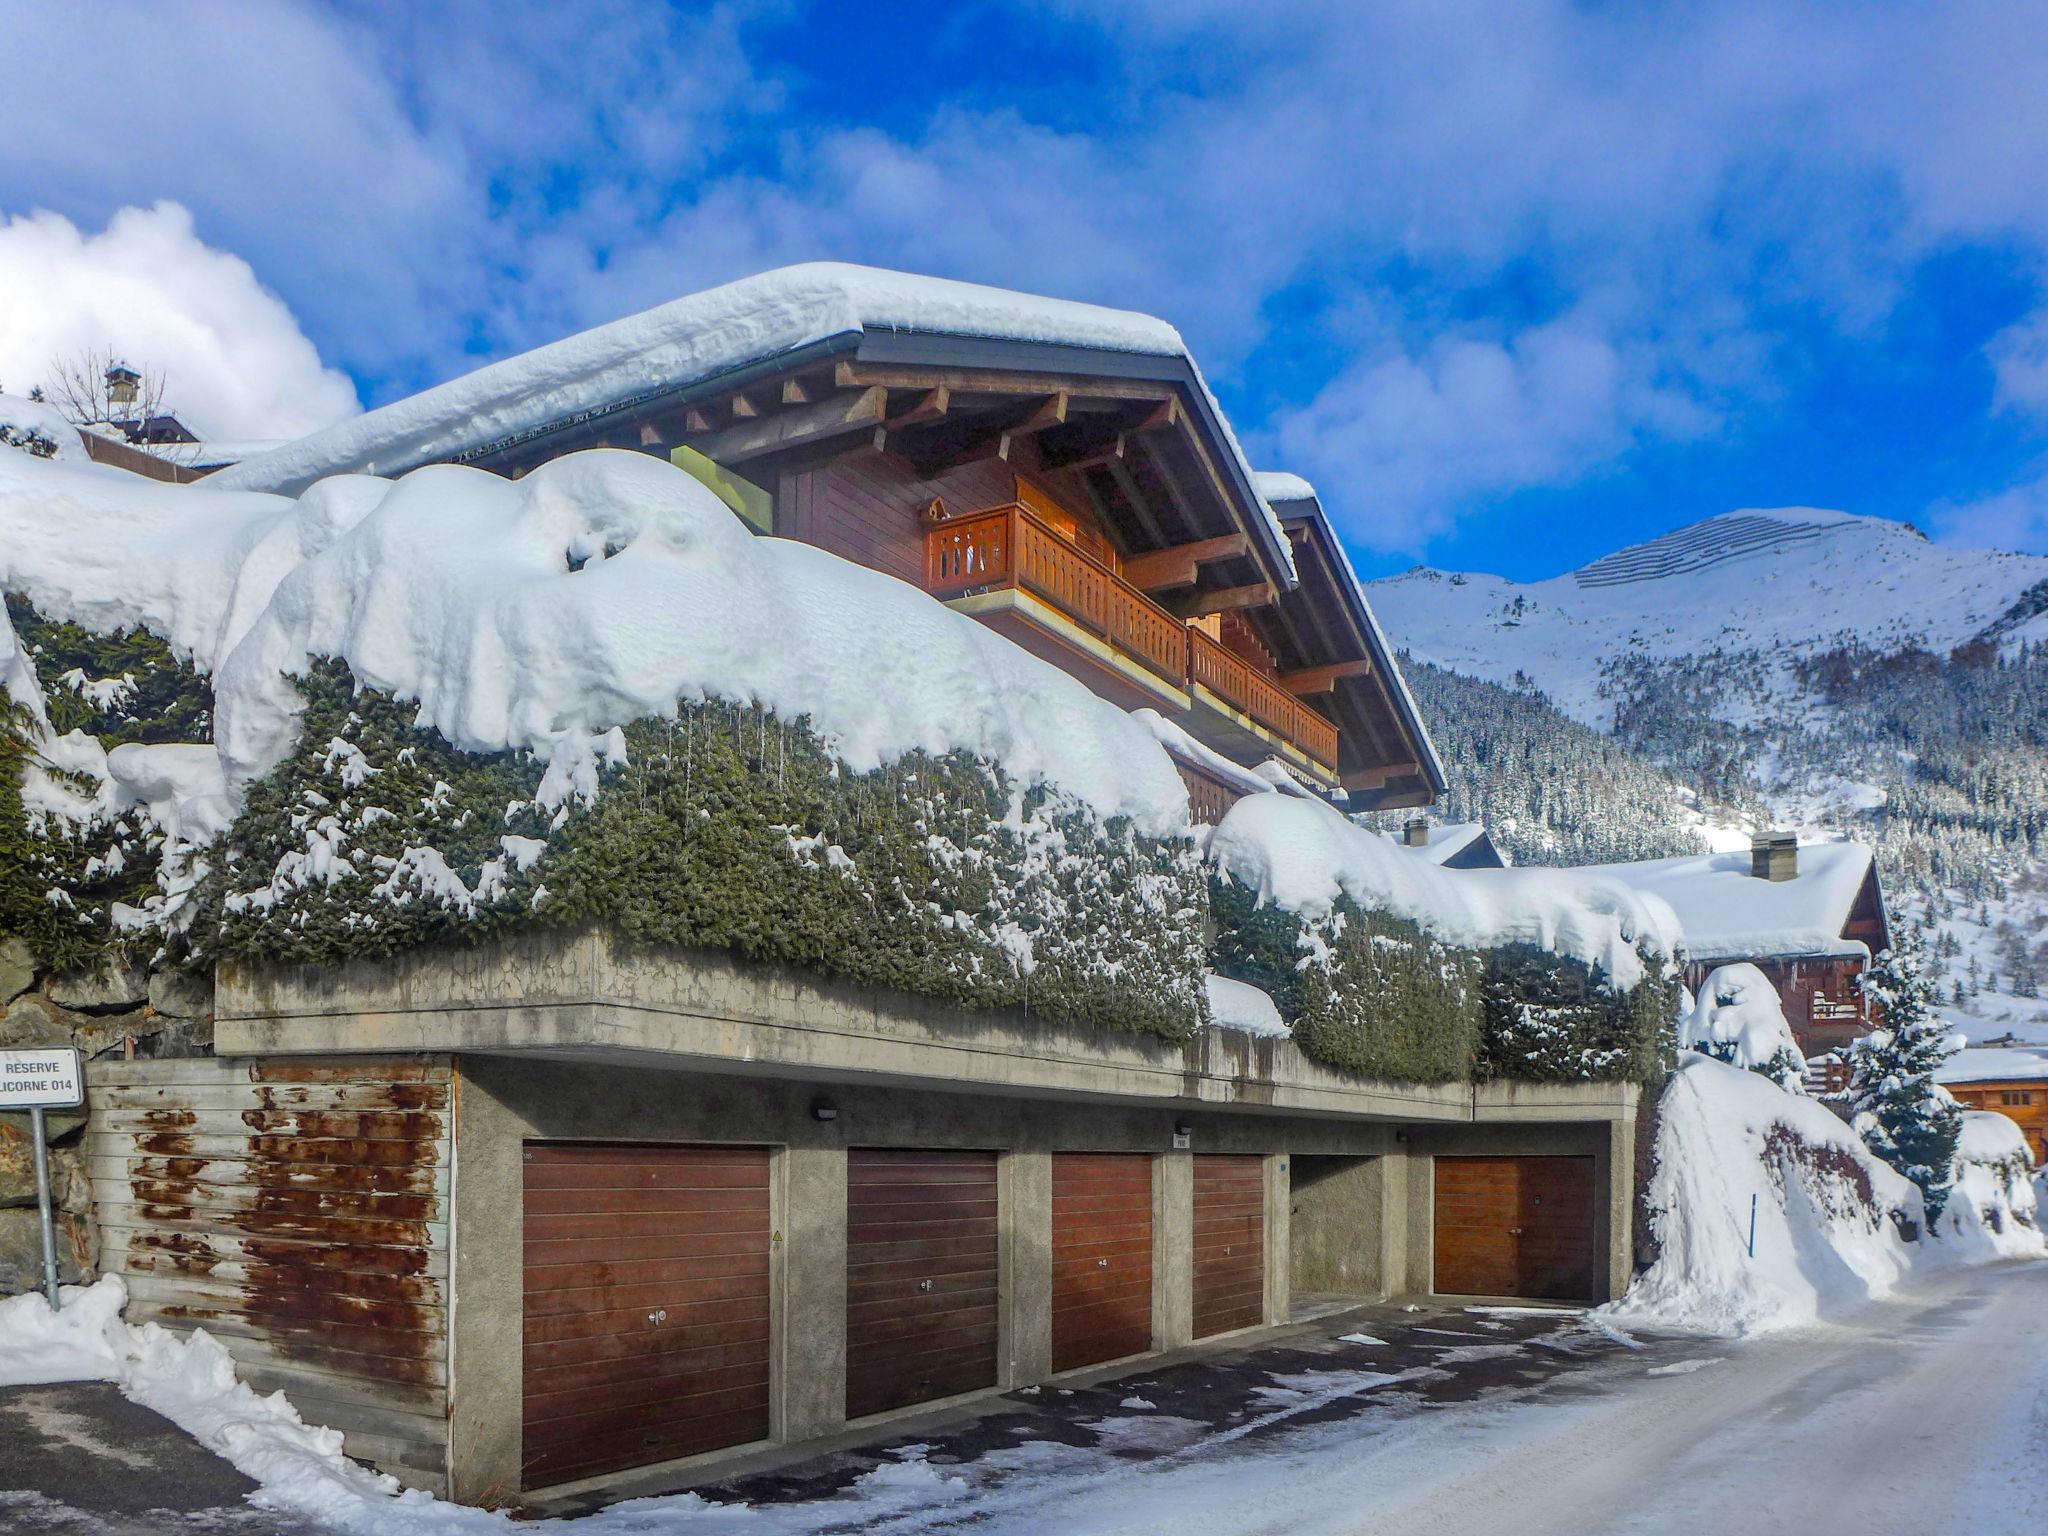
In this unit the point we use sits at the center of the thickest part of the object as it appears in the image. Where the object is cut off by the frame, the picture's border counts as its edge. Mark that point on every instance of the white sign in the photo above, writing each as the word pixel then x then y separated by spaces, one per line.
pixel 1182 1141
pixel 41 1079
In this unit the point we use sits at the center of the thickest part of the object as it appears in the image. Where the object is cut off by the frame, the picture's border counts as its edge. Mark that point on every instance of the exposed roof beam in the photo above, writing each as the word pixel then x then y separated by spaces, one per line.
pixel 1322 679
pixel 1380 777
pixel 848 374
pixel 799 424
pixel 934 449
pixel 1134 495
pixel 795 392
pixel 1085 444
pixel 929 406
pixel 1179 564
pixel 1225 599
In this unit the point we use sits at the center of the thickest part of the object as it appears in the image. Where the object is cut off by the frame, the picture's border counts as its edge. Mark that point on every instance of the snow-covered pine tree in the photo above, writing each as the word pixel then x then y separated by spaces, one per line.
pixel 1899 1110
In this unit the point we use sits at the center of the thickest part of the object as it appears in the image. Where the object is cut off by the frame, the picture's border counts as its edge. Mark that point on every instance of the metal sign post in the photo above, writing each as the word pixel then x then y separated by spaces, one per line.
pixel 36 1080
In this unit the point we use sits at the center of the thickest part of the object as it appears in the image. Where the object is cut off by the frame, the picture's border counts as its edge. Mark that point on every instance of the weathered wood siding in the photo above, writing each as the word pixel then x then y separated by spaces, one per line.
pixel 298 1211
pixel 867 507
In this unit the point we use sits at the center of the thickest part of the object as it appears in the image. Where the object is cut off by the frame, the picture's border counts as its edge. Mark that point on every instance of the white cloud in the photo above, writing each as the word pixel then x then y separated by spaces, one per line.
pixel 1404 443
pixel 235 362
pixel 2015 518
pixel 2019 363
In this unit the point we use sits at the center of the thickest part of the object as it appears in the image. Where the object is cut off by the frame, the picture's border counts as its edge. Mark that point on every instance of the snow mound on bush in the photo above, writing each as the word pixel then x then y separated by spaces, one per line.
pixel 1993 1211
pixel 1826 1234
pixel 1303 855
pixel 1738 1019
pixel 541 614
pixel 23 422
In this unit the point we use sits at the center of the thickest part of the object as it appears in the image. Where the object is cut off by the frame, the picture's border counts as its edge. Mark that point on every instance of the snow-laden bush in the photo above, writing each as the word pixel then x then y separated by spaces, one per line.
pixel 1738 1018
pixel 1993 1206
pixel 1829 1218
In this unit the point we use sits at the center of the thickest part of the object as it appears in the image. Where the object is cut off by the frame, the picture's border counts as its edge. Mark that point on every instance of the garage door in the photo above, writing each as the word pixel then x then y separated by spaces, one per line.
pixel 920 1276
pixel 1101 1257
pixel 1516 1226
pixel 646 1304
pixel 1230 1243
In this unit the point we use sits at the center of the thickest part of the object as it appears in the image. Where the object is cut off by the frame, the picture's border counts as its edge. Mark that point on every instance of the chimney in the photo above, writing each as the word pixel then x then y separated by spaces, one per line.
pixel 1416 833
pixel 1774 856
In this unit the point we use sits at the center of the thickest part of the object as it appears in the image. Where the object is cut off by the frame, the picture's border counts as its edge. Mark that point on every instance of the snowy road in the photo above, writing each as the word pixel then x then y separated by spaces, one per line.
pixel 1925 1416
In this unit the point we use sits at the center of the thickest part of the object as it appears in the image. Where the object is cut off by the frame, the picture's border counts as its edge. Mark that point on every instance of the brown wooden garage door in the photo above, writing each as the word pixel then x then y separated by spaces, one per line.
pixel 1516 1226
pixel 920 1276
pixel 1230 1243
pixel 1101 1257
pixel 646 1320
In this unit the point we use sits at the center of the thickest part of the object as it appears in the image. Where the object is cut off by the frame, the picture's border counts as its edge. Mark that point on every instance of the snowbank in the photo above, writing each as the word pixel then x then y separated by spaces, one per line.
pixel 1303 855
pixel 27 424
pixel 540 614
pixel 1738 1019
pixel 1993 1210
pixel 1825 1238
pixel 1243 1007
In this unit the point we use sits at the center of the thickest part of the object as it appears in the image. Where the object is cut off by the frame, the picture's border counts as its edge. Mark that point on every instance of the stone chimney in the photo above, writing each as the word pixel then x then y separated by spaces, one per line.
pixel 1774 856
pixel 1416 833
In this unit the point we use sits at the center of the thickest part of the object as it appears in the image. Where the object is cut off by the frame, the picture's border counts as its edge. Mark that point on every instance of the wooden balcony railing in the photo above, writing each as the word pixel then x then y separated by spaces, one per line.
pixel 1011 546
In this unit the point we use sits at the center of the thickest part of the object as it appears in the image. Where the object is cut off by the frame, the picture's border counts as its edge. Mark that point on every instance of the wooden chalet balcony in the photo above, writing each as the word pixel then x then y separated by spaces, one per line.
pixel 1014 547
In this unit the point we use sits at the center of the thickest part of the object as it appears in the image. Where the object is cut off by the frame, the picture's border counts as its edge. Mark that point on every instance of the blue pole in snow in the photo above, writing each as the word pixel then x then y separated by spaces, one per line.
pixel 1752 1226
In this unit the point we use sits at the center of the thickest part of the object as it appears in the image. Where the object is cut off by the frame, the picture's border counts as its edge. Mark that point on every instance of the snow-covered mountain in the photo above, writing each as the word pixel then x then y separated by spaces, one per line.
pixel 1790 582
pixel 1816 669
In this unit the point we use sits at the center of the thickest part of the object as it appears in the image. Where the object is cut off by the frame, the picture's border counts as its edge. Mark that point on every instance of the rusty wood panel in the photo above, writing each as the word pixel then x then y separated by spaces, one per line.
pixel 1229 1243
pixel 122 1242
pixel 236 1096
pixel 646 1316
pixel 1101 1257
pixel 238 1173
pixel 921 1271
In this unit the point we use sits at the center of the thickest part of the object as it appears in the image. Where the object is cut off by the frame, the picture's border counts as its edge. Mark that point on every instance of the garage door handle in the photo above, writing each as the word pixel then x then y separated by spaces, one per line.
pixel 924 1285
pixel 1102 1263
pixel 658 1318
pixel 1514 1231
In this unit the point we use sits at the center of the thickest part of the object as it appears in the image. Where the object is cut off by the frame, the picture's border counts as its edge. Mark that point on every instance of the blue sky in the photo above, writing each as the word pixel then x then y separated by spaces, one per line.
pixel 1513 283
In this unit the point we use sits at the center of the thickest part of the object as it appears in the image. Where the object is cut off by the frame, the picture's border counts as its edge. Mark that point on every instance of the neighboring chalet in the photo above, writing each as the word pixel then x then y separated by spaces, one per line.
pixel 1082 495
pixel 2008 1080
pixel 1810 918
pixel 691 1204
pixel 1453 845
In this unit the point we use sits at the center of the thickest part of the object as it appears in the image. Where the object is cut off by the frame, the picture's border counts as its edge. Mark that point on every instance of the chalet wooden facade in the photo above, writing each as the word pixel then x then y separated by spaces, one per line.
pixel 1810 918
pixel 2010 1081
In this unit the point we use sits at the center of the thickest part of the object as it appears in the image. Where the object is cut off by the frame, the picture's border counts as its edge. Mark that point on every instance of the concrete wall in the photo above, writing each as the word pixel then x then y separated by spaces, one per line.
pixel 1335 1206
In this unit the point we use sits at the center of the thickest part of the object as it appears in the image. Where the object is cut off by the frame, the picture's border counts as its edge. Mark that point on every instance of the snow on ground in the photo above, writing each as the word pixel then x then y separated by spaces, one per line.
pixel 1730 1142
pixel 1243 1007
pixel 1302 855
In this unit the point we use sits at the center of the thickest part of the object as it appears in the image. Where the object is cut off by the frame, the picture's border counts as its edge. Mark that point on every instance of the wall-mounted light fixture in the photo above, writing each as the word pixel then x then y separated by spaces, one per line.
pixel 824 1109
pixel 1401 1136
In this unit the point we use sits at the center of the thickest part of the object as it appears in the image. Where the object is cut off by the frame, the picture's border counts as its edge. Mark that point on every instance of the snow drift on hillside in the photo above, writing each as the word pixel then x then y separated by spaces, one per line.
pixel 1826 1238
pixel 1302 855
pixel 1738 1019
pixel 1993 1211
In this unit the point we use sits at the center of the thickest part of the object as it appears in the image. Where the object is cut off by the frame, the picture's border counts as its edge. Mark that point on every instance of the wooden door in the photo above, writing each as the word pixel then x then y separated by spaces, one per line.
pixel 1516 1226
pixel 1101 1257
pixel 646 1304
pixel 1230 1243
pixel 921 1279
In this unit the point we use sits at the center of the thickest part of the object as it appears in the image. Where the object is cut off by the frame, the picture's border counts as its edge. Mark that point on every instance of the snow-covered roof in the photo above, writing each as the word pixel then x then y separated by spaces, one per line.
pixel 700 337
pixel 1729 914
pixel 1446 840
pixel 1994 1064
pixel 1277 488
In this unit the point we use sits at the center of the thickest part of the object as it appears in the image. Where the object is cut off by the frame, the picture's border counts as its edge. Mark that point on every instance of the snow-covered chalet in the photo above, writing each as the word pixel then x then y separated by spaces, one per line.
pixel 839 900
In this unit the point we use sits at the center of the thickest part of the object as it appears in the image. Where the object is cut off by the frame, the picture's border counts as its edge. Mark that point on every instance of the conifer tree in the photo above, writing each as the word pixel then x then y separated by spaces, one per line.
pixel 1899 1110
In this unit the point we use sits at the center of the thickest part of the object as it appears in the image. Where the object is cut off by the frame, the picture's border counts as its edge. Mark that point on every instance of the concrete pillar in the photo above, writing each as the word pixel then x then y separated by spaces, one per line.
pixel 809 1393
pixel 1025 1194
pixel 1616 1175
pixel 1279 1247
pixel 488 1282
pixel 1416 1274
pixel 1173 1250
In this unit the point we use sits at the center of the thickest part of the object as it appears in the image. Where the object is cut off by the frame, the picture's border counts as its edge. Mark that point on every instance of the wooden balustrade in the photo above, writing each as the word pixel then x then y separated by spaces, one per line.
pixel 1011 546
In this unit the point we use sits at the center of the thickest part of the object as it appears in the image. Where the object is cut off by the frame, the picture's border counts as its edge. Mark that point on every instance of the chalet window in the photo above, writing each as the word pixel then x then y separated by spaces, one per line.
pixel 2013 1096
pixel 749 502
